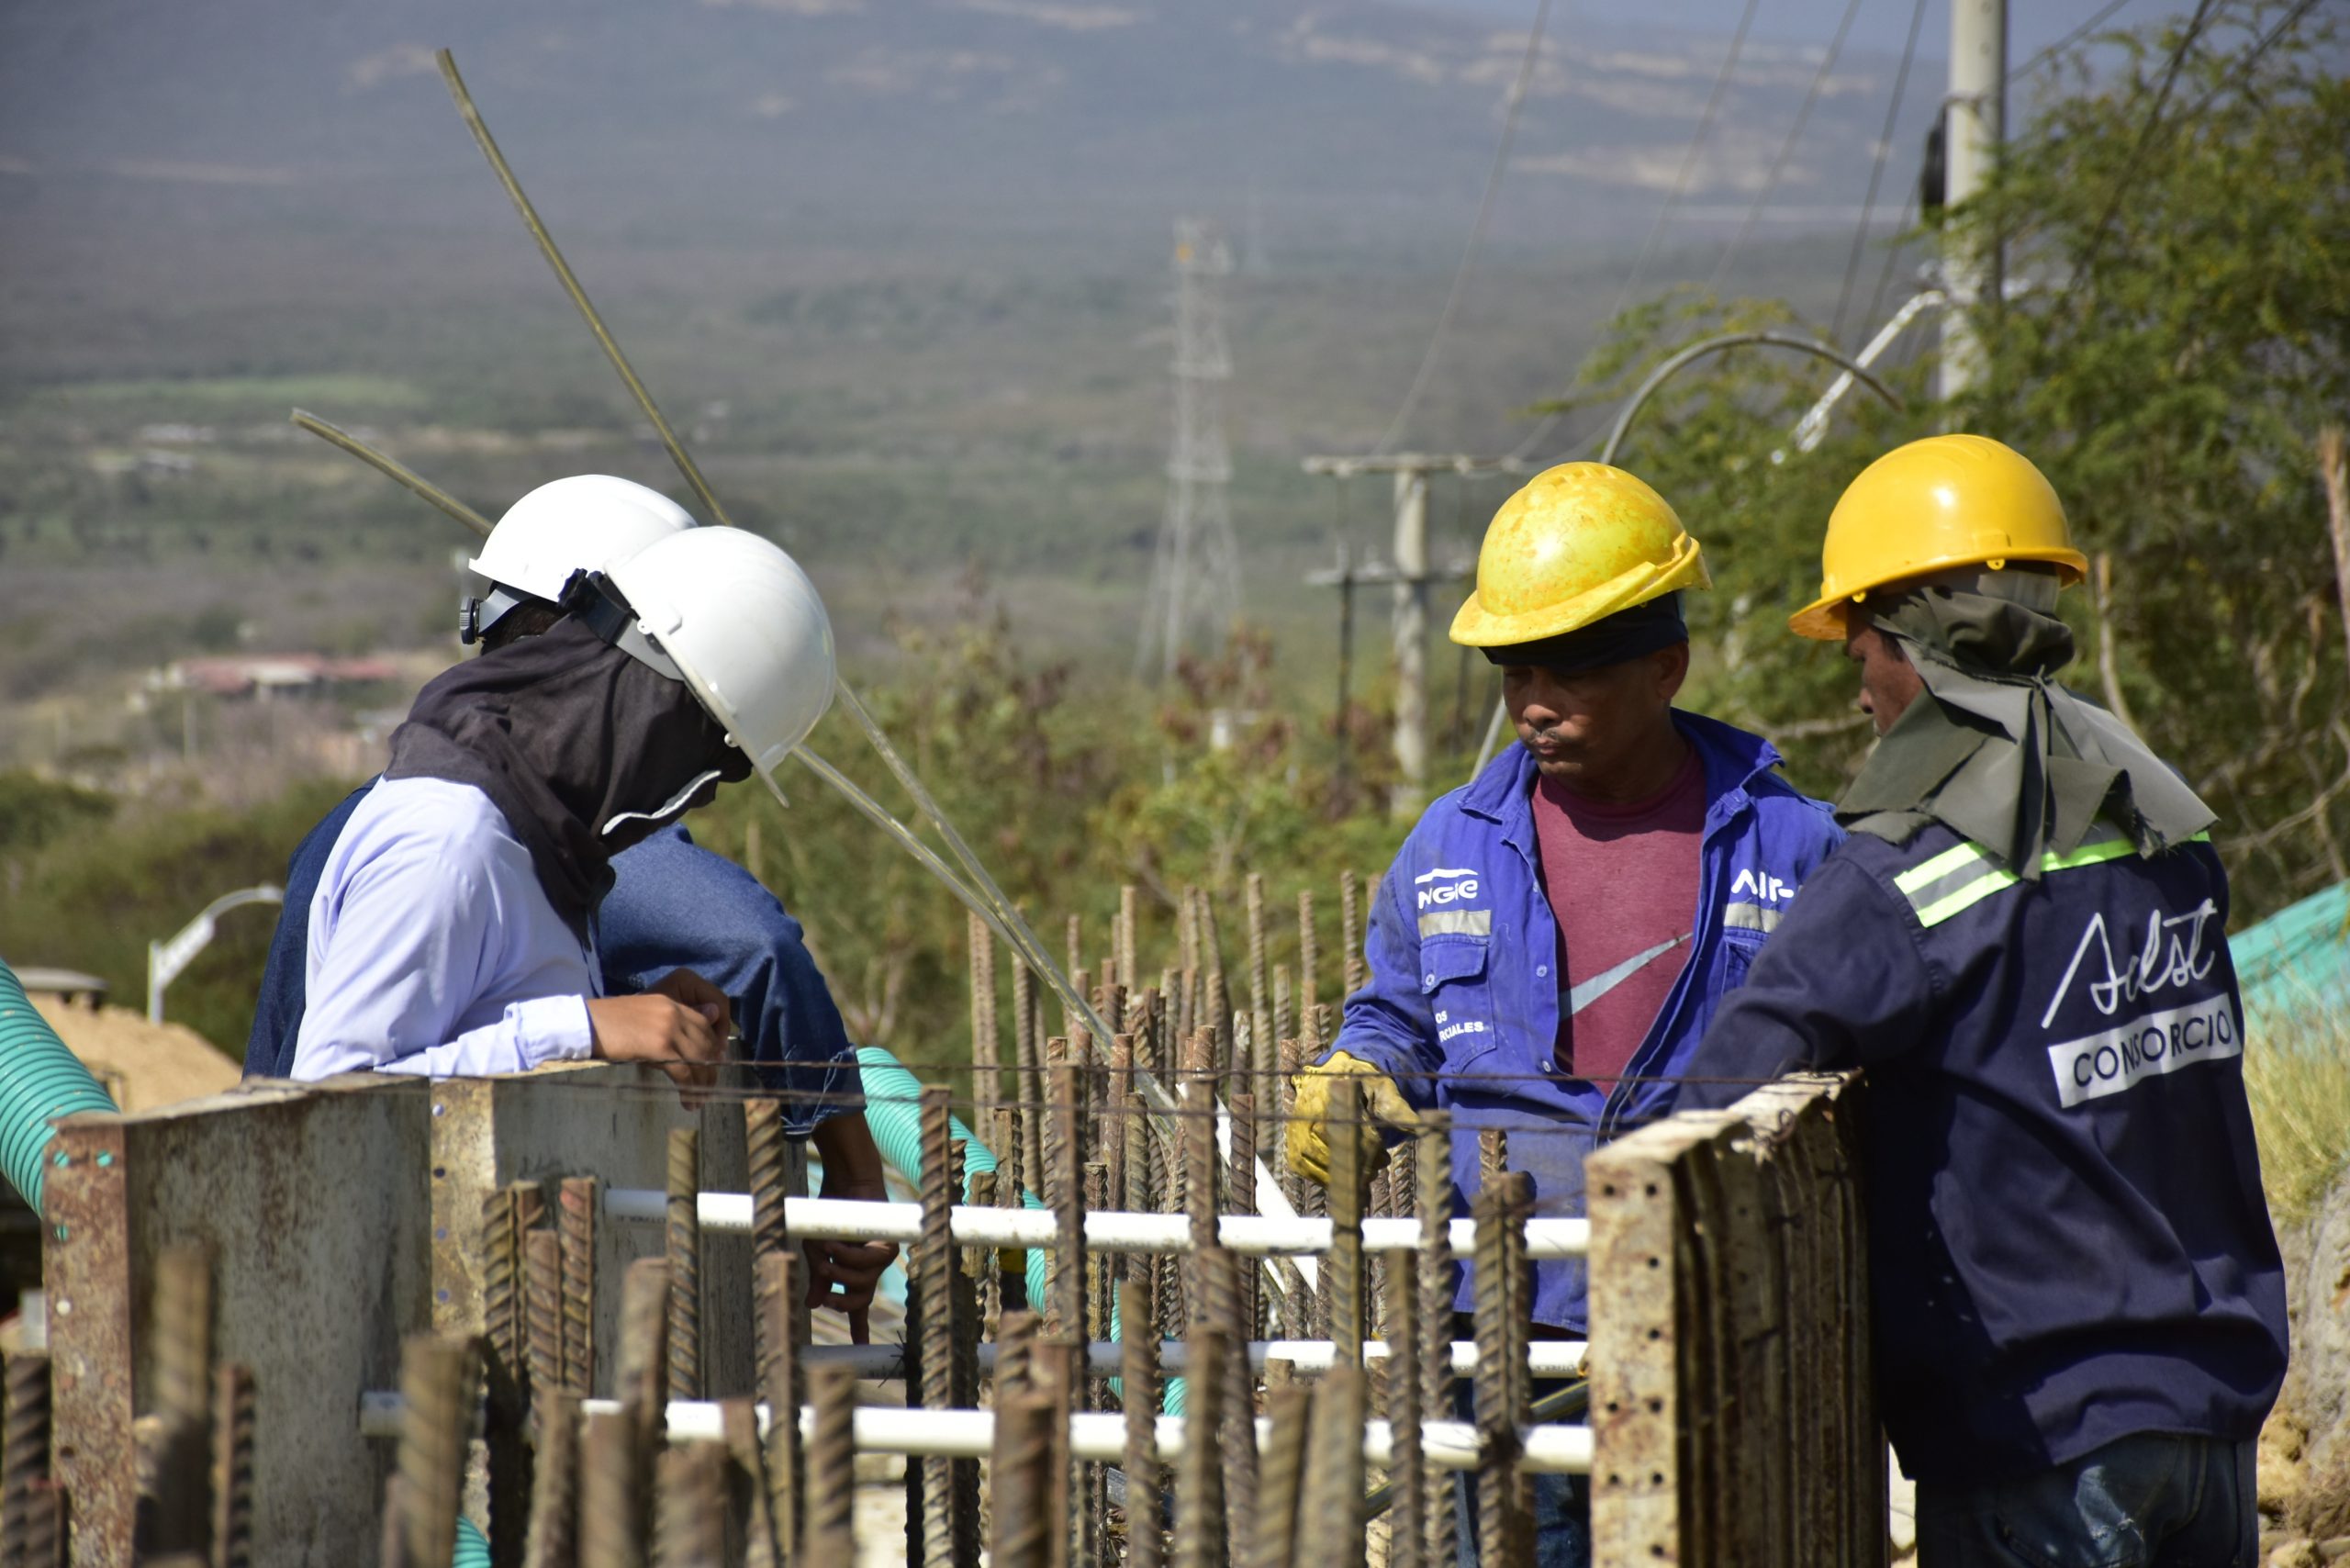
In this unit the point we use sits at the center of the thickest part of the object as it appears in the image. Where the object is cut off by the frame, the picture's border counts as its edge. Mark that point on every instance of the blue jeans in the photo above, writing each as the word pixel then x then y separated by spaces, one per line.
pixel 2153 1500
pixel 1560 1504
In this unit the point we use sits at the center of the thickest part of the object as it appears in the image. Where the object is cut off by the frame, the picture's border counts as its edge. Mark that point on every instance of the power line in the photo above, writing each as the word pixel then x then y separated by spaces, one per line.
pixel 1787 148
pixel 2067 42
pixel 1877 170
pixel 1476 229
pixel 1664 213
pixel 2251 57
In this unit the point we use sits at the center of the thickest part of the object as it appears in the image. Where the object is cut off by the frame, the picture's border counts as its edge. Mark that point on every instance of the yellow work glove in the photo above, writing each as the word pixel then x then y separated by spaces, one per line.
pixel 1311 1131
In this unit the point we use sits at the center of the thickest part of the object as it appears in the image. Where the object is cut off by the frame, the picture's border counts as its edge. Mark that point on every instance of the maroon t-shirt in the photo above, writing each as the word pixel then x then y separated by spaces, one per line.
pixel 1622 881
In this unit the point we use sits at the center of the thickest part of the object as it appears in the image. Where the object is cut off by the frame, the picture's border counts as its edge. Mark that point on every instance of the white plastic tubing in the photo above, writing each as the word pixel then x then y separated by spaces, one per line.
pixel 855 1219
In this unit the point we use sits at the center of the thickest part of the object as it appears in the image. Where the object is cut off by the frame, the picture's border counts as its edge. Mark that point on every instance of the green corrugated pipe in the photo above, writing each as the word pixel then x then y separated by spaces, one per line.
pixel 40 1082
pixel 473 1546
pixel 893 1110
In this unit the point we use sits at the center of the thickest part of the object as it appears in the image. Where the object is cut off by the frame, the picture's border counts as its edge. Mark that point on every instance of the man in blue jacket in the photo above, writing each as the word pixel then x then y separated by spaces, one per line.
pixel 2079 1309
pixel 1554 936
pixel 672 905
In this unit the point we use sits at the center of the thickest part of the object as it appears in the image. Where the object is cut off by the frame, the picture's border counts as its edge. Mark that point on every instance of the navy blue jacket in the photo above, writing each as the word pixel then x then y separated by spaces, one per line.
pixel 1462 1004
pixel 2068 1241
pixel 674 905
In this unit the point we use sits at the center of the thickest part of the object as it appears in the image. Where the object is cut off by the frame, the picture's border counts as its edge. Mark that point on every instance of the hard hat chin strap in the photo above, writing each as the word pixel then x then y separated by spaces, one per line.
pixel 591 599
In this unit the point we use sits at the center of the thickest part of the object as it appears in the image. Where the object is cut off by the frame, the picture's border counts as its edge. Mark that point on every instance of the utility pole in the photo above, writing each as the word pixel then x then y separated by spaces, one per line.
pixel 1976 117
pixel 1411 578
pixel 1196 581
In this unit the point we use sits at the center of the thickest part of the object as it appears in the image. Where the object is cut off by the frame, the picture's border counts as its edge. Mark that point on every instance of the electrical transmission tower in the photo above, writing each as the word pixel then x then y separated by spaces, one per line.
pixel 1196 581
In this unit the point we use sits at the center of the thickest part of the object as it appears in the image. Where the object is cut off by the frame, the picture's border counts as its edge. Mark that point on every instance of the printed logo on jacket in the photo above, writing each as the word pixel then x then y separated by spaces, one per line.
pixel 2158 967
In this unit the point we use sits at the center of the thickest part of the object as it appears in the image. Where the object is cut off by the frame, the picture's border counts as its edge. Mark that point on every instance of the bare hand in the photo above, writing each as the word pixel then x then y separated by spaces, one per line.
pixel 679 1025
pixel 844 1274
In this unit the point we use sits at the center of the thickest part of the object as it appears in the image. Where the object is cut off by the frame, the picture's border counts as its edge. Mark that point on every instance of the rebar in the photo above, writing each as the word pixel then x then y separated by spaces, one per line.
pixel 1333 1513
pixel 233 1468
pixel 553 1537
pixel 1309 953
pixel 748 1516
pixel 1200 1525
pixel 1432 1171
pixel 1029 1089
pixel 439 1378
pixel 1240 1176
pixel 1343 1277
pixel 914 1348
pixel 578 1199
pixel 1505 1535
pixel 543 1264
pixel 782 1385
pixel 612 1493
pixel 685 1263
pixel 1281 1481
pixel 1285 1016
pixel 502 1289
pixel 948 1536
pixel 1099 1296
pixel 1493 1156
pixel 1020 1471
pixel 1219 1279
pixel 1055 1368
pixel 1407 1469
pixel 690 1507
pixel 1010 1269
pixel 1139 1392
pixel 24 1455
pixel 1129 938
pixel 987 1060
pixel 1066 1182
pixel 765 1148
pixel 174 1510
pixel 1350 932
pixel 1261 983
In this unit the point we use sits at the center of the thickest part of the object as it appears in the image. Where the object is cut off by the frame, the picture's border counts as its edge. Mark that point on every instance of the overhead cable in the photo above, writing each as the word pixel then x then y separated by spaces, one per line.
pixel 1876 170
pixel 1476 229
pixel 1787 148
pixel 1639 274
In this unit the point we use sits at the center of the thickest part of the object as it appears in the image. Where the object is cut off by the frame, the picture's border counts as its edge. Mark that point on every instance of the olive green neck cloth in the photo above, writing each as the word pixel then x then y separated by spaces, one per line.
pixel 2002 755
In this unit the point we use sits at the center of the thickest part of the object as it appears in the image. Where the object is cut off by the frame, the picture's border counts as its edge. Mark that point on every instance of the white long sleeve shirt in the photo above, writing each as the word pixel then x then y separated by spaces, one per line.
pixel 432 948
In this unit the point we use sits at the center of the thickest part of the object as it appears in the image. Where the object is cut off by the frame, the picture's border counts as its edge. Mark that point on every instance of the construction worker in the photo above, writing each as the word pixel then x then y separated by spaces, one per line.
pixel 674 909
pixel 2079 1310
pixel 1555 936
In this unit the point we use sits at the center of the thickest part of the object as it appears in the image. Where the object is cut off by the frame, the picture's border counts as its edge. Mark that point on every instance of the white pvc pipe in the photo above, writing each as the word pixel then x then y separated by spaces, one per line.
pixel 859 1219
pixel 1546 1358
pixel 1099 1435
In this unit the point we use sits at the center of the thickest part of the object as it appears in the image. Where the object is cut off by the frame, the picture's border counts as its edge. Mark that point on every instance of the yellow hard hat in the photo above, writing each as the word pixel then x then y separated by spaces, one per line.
pixel 1948 500
pixel 1577 543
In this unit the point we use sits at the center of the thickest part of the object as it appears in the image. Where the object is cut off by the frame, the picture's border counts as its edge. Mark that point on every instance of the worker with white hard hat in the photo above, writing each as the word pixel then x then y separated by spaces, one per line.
pixel 2079 1308
pixel 697 939
pixel 1554 935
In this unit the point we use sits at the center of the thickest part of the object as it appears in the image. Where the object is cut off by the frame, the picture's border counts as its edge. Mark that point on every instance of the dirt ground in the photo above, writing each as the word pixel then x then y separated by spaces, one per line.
pixel 142 1065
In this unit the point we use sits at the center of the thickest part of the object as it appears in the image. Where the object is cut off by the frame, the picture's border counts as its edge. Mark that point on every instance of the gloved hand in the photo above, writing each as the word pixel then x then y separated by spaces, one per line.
pixel 1310 1133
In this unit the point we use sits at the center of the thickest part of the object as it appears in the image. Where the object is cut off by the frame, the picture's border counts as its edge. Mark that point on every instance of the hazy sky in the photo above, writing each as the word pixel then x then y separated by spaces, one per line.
pixel 1880 24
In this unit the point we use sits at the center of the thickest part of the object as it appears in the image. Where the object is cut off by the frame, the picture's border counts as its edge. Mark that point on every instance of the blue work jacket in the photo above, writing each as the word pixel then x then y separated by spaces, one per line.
pixel 1461 1005
pixel 2067 1241
pixel 674 905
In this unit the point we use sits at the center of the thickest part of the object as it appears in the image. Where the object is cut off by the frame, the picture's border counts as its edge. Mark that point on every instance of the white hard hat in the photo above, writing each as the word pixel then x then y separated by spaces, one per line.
pixel 742 625
pixel 566 526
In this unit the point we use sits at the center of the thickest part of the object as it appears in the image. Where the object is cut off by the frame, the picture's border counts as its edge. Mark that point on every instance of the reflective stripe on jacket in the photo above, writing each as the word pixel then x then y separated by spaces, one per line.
pixel 1461 1004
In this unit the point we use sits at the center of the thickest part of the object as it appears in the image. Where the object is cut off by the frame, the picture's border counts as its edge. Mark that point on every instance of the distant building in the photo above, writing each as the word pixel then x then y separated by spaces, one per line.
pixel 269 675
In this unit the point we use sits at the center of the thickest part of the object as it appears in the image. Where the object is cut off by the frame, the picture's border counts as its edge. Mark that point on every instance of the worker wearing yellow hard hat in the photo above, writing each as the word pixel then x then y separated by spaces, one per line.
pixel 2078 1305
pixel 1554 936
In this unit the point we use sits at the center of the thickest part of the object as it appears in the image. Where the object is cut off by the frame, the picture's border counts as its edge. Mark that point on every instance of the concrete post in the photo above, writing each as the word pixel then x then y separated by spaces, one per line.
pixel 1410 641
pixel 1976 122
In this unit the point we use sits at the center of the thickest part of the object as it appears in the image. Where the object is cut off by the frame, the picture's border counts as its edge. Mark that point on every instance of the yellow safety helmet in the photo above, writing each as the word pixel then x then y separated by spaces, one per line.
pixel 1948 500
pixel 1577 543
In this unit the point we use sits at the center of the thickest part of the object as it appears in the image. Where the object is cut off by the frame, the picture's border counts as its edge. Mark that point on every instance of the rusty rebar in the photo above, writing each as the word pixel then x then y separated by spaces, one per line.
pixel 1022 1482
pixel 1350 932
pixel 543 1265
pixel 1261 983
pixel 502 1289
pixel 830 1536
pixel 1407 1469
pixel 1201 1539
pixel 24 1454
pixel 578 1199
pixel 641 1363
pixel 1129 938
pixel 1240 1196
pixel 748 1518
pixel 1284 1006
pixel 1433 1201
pixel 1065 1181
pixel 1504 1527
pixel 553 1537
pixel 1333 1515
pixel 690 1506
pixel 765 1149
pixel 782 1385
pixel 947 1537
pixel 1138 1395
pixel 1493 1155
pixel 439 1380
pixel 1027 1047
pixel 611 1492
pixel 1009 1268
pixel 506 1368
pixel 1220 1274
pixel 1282 1482
pixel 1345 1283
pixel 684 1239
pixel 1309 953
pixel 987 1051
pixel 232 1467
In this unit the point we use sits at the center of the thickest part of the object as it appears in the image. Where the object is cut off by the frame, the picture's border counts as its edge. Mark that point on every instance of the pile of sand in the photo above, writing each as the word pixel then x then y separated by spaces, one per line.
pixel 142 1065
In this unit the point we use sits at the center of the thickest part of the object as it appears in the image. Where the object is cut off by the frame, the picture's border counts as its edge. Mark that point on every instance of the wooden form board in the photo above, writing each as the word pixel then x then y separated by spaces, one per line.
pixel 1733 1410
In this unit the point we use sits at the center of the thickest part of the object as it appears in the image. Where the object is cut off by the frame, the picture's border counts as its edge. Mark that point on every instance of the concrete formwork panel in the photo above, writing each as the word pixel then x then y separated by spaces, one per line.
pixel 611 1123
pixel 314 1208
pixel 1733 1408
